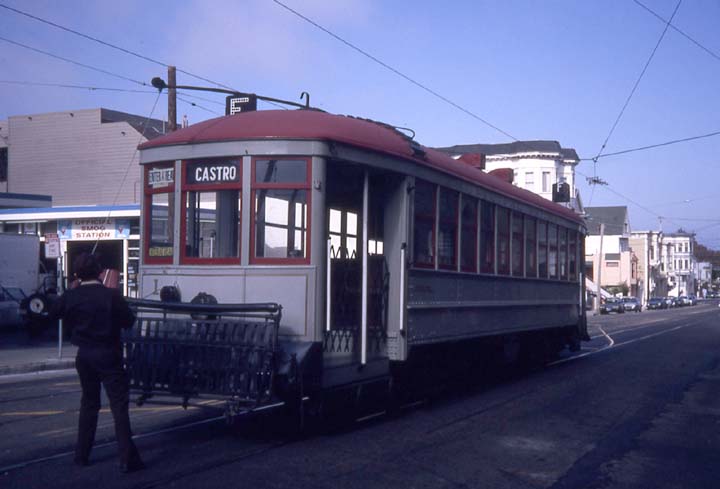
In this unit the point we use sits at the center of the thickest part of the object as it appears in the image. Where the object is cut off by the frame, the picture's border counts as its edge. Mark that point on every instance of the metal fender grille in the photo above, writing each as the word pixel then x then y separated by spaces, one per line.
pixel 233 357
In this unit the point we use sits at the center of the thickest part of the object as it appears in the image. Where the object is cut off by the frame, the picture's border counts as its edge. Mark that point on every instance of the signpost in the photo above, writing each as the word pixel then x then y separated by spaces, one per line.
pixel 52 245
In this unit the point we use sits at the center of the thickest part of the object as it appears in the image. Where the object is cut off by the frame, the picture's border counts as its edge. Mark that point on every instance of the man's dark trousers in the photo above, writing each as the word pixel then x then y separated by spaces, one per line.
pixel 96 365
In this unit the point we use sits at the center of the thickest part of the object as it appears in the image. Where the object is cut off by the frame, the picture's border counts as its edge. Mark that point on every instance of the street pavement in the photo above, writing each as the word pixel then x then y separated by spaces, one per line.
pixel 21 353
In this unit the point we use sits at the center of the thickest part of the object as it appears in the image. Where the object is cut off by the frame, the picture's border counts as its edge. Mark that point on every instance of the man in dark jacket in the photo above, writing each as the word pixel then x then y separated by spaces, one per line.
pixel 95 316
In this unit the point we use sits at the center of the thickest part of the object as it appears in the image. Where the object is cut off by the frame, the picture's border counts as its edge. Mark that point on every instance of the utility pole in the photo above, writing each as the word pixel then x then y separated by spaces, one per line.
pixel 602 234
pixel 172 100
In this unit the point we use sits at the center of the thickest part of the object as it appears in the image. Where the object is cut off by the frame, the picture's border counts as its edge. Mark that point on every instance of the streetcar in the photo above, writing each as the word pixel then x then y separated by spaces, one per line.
pixel 291 253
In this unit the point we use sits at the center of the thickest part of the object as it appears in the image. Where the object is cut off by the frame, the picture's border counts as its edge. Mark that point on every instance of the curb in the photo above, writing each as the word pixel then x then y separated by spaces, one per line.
pixel 37 367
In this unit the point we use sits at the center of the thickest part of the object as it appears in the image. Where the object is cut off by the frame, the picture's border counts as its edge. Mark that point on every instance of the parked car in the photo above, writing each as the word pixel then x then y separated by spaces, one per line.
pixel 612 304
pixel 693 300
pixel 672 302
pixel 657 303
pixel 631 304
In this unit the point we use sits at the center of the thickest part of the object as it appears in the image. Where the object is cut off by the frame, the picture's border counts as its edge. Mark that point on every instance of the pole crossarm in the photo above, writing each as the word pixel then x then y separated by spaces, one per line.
pixel 160 84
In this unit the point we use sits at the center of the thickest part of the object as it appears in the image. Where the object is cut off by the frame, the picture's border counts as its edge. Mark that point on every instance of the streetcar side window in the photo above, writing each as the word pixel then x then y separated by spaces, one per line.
pixel 503 240
pixel 487 237
pixel 212 200
pixel 563 253
pixel 530 247
pixel 553 250
pixel 468 240
pixel 448 230
pixel 160 213
pixel 280 196
pixel 424 225
pixel 542 249
pixel 518 253
pixel 573 251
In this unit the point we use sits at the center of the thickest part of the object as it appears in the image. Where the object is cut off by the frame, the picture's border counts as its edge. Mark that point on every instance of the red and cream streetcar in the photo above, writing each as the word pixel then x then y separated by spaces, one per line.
pixel 323 252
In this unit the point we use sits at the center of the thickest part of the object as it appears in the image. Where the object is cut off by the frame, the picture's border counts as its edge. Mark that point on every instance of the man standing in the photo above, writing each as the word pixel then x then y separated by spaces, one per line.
pixel 95 316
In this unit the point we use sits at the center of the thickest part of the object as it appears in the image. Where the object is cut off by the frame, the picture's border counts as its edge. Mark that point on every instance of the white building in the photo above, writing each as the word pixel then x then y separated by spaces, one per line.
pixel 704 277
pixel 679 262
pixel 652 281
pixel 536 165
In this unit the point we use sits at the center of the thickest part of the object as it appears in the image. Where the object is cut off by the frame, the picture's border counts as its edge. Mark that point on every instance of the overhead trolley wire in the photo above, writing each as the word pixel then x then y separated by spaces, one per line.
pixel 651 146
pixel 67 60
pixel 394 70
pixel 107 44
pixel 679 31
pixel 637 82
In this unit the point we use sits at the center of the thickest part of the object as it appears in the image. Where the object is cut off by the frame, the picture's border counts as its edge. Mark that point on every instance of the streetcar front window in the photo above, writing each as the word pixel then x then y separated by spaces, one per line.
pixel 281 200
pixel 213 224
pixel 162 213
pixel 280 223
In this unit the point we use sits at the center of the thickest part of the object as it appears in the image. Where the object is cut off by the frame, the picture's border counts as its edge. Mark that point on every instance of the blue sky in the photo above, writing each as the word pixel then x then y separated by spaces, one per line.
pixel 555 69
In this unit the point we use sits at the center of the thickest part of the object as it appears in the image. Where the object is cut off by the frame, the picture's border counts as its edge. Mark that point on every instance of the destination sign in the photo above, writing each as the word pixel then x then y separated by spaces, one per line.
pixel 213 172
pixel 160 177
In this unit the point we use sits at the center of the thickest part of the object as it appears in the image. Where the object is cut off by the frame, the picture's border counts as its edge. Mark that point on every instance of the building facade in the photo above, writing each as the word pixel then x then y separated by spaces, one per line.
pixel 608 254
pixel 536 165
pixel 679 263
pixel 80 172
pixel 652 280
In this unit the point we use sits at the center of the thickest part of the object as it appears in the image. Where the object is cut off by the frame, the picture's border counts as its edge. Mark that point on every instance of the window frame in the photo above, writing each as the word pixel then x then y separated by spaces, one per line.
pixel 430 264
pixel 456 226
pixel 517 217
pixel 472 229
pixel 205 187
pixel 255 186
pixel 148 193
pixel 503 235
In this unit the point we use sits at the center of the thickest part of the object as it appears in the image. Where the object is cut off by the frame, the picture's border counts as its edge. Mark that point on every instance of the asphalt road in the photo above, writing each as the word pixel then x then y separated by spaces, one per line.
pixel 639 407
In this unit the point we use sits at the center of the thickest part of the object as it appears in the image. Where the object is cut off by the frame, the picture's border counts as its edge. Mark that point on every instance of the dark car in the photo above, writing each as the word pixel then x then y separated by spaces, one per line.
pixel 631 304
pixel 657 303
pixel 612 305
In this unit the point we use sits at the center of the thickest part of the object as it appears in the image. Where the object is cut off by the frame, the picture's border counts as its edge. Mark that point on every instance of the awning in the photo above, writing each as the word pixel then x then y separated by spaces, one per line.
pixel 592 287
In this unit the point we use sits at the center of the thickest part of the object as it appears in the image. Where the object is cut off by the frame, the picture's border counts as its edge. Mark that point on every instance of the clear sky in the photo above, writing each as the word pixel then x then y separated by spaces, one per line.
pixel 554 69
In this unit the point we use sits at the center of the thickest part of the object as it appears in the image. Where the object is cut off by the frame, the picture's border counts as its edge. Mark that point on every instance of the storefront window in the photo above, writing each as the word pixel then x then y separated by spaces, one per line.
pixel 212 201
pixel 281 190
pixel 159 213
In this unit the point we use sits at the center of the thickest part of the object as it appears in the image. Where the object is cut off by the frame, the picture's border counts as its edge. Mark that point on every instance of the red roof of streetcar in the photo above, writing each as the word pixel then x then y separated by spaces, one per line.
pixel 317 125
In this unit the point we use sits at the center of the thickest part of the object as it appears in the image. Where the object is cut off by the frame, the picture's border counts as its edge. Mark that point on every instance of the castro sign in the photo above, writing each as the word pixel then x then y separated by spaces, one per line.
pixel 213 172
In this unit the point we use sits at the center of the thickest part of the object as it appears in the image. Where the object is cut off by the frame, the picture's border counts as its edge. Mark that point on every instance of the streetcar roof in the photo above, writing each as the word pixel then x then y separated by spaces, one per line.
pixel 362 133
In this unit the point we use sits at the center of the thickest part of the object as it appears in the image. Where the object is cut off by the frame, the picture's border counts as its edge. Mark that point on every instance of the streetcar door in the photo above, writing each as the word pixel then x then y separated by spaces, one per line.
pixel 356 209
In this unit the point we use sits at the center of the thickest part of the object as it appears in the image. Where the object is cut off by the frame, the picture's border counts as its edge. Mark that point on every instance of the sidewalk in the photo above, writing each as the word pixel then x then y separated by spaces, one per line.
pixel 19 353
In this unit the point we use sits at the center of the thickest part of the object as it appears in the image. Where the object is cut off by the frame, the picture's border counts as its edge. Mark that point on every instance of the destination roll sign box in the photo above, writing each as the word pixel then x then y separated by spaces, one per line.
pixel 213 172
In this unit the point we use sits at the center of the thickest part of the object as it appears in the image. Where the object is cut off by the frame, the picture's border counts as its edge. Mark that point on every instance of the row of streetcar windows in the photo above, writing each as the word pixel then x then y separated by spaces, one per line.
pixel 211 193
pixel 454 231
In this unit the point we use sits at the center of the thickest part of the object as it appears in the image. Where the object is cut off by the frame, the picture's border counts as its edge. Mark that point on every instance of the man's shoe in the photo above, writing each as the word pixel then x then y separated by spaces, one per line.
pixel 131 467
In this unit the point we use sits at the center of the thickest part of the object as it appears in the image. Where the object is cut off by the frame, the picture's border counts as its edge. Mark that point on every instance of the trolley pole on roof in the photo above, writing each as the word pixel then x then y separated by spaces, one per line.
pixel 172 100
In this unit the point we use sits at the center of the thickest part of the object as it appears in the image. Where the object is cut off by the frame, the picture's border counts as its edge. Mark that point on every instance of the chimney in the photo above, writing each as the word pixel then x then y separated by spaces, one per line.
pixel 505 174
pixel 476 160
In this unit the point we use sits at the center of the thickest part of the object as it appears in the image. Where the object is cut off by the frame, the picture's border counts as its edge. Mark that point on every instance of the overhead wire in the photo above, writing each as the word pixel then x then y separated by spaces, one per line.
pixel 637 82
pixel 651 146
pixel 73 61
pixel 679 31
pixel 394 70
pixel 126 51
pixel 197 105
